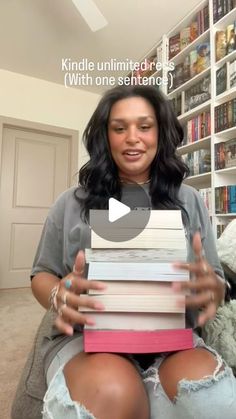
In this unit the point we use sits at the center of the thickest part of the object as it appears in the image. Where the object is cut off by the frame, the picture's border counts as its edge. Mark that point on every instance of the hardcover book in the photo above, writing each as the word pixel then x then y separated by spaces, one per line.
pixel 203 57
pixel 174 45
pixel 185 37
pixel 193 63
pixel 198 94
pixel 230 38
pixel 221 45
pixel 193 30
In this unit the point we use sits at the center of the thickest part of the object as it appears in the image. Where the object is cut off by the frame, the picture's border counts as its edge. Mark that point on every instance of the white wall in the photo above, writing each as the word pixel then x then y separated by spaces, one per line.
pixel 41 101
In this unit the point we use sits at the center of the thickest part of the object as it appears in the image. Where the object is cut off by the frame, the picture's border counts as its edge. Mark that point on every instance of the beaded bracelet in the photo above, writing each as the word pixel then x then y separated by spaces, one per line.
pixel 53 299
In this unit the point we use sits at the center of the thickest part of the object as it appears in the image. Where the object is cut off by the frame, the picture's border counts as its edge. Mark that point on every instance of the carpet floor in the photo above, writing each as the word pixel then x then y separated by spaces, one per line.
pixel 20 315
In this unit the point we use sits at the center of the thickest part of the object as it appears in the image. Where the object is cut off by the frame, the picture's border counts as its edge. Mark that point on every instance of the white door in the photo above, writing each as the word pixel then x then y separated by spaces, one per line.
pixel 35 169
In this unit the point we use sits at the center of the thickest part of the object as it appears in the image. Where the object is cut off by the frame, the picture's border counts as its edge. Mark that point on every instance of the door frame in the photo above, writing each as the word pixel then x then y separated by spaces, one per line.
pixel 72 135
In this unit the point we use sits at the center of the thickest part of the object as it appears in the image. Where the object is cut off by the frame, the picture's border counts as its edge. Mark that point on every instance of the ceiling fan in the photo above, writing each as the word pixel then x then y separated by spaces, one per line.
pixel 91 14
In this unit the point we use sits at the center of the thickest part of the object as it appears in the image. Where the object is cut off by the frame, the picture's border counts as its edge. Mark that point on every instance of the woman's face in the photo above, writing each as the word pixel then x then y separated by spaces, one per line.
pixel 133 137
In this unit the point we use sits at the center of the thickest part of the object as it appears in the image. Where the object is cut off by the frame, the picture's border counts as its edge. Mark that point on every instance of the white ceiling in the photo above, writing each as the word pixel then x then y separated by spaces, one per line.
pixel 36 34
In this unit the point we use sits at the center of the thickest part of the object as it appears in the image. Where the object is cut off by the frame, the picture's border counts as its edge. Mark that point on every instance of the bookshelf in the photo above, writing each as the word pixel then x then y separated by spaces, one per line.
pixel 202 49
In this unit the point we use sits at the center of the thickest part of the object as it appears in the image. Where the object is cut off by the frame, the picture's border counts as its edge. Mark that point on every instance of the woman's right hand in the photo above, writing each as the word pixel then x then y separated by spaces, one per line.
pixel 69 301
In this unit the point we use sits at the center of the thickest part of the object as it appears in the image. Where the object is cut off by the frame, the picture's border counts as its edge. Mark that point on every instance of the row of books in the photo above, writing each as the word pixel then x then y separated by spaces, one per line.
pixel 142 313
pixel 198 161
pixel 197 128
pixel 206 194
pixel 222 8
pixel 187 35
pixel 198 94
pixel 225 199
pixel 225 115
pixel 194 63
pixel 225 41
pixel 224 74
pixel 225 154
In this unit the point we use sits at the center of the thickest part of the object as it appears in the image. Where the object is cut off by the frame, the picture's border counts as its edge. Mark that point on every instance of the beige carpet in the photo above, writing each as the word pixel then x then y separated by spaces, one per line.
pixel 20 315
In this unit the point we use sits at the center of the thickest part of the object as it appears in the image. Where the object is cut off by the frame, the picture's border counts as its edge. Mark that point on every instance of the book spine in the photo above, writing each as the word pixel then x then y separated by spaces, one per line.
pixel 225 115
pixel 233 198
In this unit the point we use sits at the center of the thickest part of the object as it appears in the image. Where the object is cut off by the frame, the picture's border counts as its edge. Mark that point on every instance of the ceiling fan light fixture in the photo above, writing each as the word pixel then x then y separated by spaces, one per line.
pixel 91 14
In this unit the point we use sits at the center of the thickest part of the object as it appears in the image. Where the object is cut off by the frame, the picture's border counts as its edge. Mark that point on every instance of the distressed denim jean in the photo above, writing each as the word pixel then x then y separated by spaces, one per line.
pixel 212 397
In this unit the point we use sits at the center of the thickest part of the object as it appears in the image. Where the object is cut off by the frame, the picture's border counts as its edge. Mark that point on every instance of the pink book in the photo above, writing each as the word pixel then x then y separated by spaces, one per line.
pixel 126 341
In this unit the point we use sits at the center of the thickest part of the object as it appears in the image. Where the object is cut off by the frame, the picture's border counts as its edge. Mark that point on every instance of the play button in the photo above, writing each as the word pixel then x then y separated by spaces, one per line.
pixel 117 210
pixel 125 218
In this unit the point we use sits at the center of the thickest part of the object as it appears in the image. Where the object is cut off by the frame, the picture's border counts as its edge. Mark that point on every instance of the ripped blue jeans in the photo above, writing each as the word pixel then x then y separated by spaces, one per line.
pixel 212 397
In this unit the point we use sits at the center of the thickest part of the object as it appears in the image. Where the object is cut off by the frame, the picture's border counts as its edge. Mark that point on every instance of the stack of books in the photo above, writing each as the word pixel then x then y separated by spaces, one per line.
pixel 143 314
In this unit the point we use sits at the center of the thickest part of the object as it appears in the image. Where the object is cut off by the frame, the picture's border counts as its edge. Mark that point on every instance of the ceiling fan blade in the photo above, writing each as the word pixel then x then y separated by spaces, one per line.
pixel 91 14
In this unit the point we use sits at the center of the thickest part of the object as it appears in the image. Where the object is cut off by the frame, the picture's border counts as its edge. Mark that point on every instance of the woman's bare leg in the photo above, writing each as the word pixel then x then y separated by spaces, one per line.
pixel 108 385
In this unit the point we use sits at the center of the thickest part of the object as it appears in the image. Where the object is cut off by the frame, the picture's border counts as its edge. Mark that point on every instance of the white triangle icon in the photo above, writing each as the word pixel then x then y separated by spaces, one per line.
pixel 116 210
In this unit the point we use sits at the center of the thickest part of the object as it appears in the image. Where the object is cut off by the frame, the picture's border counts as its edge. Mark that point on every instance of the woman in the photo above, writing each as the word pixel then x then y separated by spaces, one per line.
pixel 131 138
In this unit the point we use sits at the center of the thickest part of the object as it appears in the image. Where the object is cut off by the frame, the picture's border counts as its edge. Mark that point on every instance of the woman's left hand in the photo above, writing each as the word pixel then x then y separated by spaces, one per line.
pixel 207 289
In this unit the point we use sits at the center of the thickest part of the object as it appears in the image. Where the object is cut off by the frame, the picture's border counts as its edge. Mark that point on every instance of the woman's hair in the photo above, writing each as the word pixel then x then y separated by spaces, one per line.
pixel 99 176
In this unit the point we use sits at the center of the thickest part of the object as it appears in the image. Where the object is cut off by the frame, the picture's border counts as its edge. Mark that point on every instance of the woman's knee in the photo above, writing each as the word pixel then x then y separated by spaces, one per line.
pixel 99 380
pixel 193 364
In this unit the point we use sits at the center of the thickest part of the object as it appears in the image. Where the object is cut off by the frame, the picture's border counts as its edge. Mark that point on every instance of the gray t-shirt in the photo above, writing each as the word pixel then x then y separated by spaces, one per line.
pixel 65 233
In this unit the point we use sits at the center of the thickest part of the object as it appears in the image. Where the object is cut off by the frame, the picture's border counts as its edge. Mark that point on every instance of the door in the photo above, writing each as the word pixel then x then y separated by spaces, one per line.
pixel 35 169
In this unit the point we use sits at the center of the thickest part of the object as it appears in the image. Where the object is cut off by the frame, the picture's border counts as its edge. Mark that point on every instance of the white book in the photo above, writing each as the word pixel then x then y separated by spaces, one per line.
pixel 163 219
pixel 142 271
pixel 135 255
pixel 139 303
pixel 136 287
pixel 136 321
pixel 148 238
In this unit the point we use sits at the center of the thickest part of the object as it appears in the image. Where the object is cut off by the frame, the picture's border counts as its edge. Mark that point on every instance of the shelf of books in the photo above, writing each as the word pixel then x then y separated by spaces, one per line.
pixel 195 64
pixel 199 181
pixel 203 95
pixel 224 113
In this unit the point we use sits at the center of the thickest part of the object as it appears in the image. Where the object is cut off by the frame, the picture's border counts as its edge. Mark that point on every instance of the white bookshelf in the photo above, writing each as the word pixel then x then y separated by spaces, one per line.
pixel 227 134
pixel 195 111
pixel 196 145
pixel 199 181
pixel 225 96
pixel 214 178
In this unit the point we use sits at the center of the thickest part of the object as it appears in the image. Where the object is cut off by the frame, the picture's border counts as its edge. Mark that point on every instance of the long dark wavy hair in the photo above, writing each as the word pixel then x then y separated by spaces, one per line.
pixel 99 176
